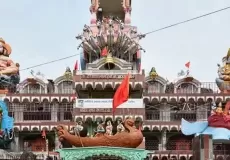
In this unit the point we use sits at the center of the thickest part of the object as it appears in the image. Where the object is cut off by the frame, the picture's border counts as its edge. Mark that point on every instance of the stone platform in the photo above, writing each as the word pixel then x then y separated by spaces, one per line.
pixel 82 153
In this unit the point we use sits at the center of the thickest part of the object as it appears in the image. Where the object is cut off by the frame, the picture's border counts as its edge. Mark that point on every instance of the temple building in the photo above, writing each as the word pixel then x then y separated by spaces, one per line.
pixel 110 50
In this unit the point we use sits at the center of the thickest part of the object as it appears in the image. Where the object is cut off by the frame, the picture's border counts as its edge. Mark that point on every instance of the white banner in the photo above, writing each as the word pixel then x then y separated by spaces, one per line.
pixel 107 103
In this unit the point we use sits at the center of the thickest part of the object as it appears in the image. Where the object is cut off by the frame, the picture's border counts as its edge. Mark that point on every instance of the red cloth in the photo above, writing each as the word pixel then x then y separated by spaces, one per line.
pixel 122 93
pixel 187 64
pixel 104 52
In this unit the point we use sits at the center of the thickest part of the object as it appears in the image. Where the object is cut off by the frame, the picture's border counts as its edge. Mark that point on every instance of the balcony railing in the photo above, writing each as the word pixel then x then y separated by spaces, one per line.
pixel 176 115
pixel 106 72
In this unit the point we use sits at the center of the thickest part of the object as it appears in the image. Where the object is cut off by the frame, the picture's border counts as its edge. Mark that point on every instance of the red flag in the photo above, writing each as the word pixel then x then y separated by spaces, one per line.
pixel 104 52
pixel 122 93
pixel 76 66
pixel 43 134
pixel 187 64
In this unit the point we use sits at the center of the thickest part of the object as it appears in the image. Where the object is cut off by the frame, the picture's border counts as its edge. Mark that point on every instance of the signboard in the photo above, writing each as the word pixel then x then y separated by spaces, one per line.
pixel 95 110
pixel 104 76
pixel 107 103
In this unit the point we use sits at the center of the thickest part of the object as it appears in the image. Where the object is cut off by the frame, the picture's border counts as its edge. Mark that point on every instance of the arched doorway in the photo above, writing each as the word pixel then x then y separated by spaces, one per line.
pixel 179 142
pixel 182 158
pixel 155 158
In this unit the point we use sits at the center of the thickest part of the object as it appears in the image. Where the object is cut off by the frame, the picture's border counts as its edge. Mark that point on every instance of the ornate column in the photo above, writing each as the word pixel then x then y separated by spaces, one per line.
pixel 57 142
pixel 61 111
pixel 127 10
pixel 54 109
pixel 93 10
pixel 165 113
pixel 163 140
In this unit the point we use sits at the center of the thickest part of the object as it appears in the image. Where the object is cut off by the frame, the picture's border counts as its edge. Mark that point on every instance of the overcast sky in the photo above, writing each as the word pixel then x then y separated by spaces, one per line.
pixel 45 30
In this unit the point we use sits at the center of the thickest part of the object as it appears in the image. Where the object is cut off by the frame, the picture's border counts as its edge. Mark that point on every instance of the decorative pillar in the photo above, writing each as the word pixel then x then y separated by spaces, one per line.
pixel 93 10
pixel 127 11
pixel 54 109
pixel 61 111
pixel 163 140
pixel 165 113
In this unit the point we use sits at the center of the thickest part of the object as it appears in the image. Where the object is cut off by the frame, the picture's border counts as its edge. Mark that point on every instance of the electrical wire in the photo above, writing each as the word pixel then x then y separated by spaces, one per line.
pixel 157 30
pixel 188 20
pixel 38 65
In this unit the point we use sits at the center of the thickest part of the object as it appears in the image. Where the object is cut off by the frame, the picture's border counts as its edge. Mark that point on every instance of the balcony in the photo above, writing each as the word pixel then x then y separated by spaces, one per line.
pixel 155 115
pixel 202 88
pixel 182 148
pixel 102 72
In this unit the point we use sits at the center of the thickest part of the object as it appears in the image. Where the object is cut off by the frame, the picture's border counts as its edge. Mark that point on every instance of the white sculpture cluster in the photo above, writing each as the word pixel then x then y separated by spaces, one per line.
pixel 121 41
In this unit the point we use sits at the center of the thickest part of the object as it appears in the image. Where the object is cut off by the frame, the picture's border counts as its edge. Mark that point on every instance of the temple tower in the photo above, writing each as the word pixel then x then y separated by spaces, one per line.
pixel 110 50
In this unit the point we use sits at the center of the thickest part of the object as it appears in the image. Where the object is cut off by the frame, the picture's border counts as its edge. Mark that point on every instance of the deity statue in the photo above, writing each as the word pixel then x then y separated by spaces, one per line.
pixel 9 71
pixel 153 73
pixel 68 74
pixel 78 128
pixel 109 128
pixel 100 129
pixel 120 127
pixel 223 81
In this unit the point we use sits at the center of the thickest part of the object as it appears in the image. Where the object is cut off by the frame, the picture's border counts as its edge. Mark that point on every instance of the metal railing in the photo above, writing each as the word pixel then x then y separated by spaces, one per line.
pixel 106 72
pixel 155 115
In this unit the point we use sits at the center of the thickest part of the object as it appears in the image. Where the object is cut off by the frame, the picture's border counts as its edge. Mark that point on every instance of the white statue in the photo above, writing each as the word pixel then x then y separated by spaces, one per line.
pixel 78 128
pixel 120 127
pixel 109 128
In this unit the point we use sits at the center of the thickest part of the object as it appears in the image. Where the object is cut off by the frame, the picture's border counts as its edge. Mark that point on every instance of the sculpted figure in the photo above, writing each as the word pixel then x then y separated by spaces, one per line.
pixel 78 128
pixel 9 71
pixel 120 127
pixel 153 73
pixel 100 129
pixel 109 128
pixel 223 80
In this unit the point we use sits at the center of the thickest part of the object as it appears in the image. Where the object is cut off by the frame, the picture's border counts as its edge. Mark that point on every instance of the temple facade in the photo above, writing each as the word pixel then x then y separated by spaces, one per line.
pixel 110 50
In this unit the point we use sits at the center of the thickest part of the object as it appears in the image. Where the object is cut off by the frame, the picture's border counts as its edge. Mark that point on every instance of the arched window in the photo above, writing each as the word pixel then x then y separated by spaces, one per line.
pixel 187 88
pixel 33 89
pixel 66 87
pixel 155 87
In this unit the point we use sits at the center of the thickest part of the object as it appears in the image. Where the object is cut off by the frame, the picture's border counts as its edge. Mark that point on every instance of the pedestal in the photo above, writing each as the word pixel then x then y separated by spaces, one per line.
pixel 87 152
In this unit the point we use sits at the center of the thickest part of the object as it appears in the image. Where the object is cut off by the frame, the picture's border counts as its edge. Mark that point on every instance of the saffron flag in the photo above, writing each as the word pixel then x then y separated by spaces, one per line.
pixel 104 52
pixel 43 134
pixel 76 66
pixel 122 93
pixel 187 64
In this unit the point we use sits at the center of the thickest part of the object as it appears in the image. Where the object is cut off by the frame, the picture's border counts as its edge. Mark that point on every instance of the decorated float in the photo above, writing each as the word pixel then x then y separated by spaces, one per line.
pixel 217 125
pixel 121 145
